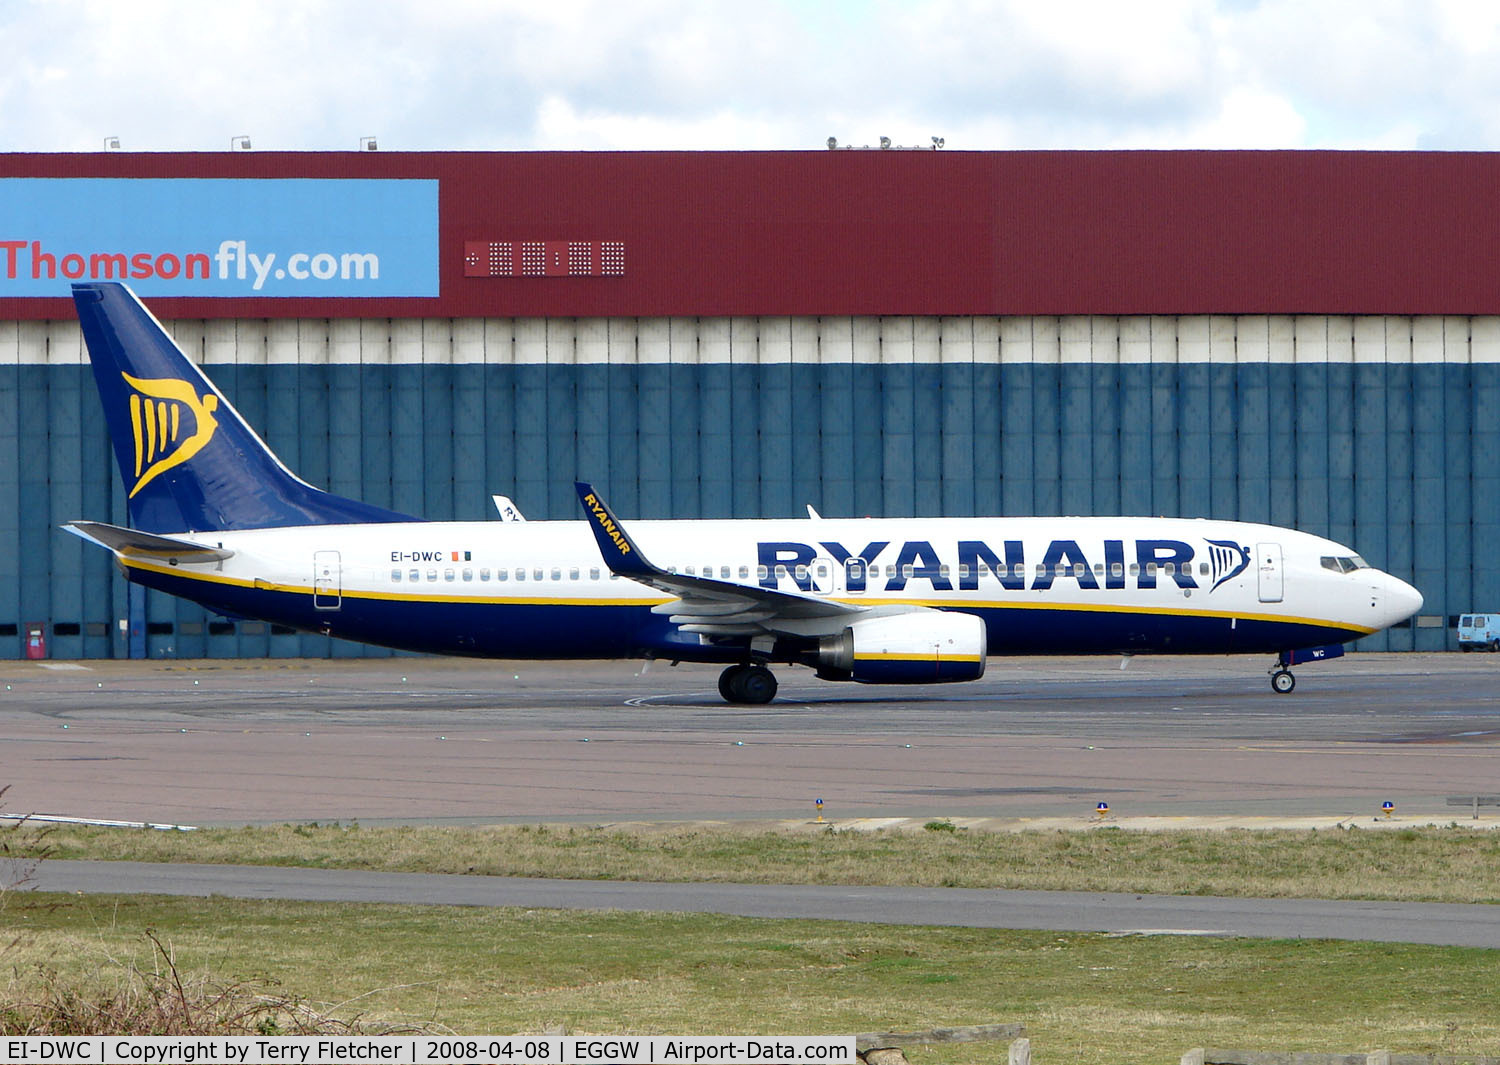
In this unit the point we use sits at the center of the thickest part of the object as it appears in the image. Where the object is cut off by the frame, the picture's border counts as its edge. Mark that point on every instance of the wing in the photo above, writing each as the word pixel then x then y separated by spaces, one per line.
pixel 707 606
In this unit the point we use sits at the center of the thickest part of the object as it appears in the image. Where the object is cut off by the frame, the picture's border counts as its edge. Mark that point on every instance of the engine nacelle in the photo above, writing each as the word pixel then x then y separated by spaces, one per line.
pixel 924 648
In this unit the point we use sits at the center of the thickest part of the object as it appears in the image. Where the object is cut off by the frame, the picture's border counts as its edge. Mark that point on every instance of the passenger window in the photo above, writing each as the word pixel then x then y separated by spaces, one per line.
pixel 1169 568
pixel 1079 569
pixel 502 575
pixel 744 573
pixel 572 574
pixel 537 574
pixel 557 574
pixel 1203 569
pixel 594 573
pixel 432 575
pixel 761 572
pixel 484 574
pixel 1151 569
pixel 414 575
pixel 396 575
pixel 906 572
pixel 689 570
pixel 447 574
pixel 468 575
pixel 963 570
pixel 1135 569
pixel 1116 569
pixel 943 572
pixel 520 574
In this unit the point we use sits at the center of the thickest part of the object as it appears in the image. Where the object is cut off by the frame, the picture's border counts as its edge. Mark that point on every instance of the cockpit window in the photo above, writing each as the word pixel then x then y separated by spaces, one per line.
pixel 1343 564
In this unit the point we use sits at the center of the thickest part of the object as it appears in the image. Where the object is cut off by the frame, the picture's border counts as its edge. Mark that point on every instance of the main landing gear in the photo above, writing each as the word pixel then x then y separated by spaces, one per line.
pixel 749 683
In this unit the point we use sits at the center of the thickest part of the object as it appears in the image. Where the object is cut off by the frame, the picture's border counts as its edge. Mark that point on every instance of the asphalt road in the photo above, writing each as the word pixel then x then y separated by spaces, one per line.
pixel 1431 923
pixel 422 740
pixel 428 740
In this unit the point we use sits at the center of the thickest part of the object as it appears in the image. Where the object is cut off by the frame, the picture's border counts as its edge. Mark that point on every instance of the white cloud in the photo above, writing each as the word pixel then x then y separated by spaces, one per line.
pixel 168 74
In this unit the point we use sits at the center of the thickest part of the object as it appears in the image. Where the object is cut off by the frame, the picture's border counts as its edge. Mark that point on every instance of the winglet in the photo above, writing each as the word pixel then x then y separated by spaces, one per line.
pixel 619 550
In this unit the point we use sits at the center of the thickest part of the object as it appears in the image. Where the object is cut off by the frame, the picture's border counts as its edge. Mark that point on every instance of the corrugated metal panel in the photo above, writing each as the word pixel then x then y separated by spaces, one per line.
pixel 1379 432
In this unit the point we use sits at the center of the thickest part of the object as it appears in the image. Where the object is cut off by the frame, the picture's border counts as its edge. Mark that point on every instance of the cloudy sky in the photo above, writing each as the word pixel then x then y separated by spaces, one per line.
pixel 698 74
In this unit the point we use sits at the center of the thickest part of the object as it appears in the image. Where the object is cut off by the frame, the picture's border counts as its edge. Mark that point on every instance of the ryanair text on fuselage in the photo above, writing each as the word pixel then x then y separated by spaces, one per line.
pixel 919 560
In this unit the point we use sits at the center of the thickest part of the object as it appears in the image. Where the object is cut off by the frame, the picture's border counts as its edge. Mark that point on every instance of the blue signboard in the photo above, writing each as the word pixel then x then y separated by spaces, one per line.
pixel 220 237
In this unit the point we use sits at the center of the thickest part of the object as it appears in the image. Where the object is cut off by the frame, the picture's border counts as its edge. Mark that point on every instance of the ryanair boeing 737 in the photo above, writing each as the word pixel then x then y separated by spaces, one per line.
pixel 216 518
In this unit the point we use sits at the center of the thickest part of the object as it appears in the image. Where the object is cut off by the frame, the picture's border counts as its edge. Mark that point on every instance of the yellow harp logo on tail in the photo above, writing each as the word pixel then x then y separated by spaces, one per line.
pixel 157 425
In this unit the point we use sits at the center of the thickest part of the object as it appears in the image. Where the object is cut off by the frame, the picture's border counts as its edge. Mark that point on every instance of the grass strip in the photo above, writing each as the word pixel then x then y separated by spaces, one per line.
pixel 1083 997
pixel 1414 864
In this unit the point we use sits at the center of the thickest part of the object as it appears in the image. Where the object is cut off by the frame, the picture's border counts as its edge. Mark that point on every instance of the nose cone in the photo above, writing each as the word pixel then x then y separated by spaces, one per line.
pixel 1398 600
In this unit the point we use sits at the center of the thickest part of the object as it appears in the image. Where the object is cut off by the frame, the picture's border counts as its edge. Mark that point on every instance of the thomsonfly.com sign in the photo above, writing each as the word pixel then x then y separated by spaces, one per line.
pixel 220 237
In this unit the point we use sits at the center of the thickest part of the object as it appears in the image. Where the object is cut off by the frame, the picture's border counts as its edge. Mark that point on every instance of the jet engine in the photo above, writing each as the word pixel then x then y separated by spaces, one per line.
pixel 923 648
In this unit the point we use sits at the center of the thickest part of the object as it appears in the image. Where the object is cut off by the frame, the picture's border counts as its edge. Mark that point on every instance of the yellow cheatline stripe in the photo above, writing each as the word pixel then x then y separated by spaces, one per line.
pixel 891 656
pixel 1114 608
pixel 412 597
pixel 242 582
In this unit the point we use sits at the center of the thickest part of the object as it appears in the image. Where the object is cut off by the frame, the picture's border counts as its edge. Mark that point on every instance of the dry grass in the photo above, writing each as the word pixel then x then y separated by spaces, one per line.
pixel 1432 864
pixel 1084 998
pixel 121 998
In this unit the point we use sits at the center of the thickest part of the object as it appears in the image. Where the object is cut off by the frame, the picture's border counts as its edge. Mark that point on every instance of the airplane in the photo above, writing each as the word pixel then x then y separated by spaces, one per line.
pixel 215 517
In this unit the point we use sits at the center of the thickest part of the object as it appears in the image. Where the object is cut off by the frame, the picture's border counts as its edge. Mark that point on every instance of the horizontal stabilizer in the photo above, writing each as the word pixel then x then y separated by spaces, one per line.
pixel 139 544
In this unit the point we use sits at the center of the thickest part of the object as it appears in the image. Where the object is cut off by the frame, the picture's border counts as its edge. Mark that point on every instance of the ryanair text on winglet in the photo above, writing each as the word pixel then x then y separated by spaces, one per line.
pixel 602 517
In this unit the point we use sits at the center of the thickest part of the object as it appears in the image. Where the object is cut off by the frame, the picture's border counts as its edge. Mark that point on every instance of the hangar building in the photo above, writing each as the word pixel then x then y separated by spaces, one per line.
pixel 1310 339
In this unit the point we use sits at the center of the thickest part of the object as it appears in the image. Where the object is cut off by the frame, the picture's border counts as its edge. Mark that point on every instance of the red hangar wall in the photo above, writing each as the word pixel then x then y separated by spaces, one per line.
pixel 1306 338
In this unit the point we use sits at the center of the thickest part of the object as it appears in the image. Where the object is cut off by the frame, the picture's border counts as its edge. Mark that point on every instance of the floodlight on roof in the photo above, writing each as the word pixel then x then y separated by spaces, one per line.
pixel 833 142
pixel 367 144
pixel 111 144
pixel 239 143
pixel 885 142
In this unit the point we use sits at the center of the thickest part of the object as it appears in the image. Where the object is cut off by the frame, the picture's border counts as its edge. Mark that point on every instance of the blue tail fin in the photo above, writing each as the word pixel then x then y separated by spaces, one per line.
pixel 189 461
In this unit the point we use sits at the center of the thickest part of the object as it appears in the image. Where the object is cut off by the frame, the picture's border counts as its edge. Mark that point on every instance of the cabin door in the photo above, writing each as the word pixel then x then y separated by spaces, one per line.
pixel 327 581
pixel 1268 567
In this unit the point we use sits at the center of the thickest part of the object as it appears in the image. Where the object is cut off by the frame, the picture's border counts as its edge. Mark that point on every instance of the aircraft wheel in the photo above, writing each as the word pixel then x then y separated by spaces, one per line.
pixel 757 685
pixel 751 684
pixel 1282 681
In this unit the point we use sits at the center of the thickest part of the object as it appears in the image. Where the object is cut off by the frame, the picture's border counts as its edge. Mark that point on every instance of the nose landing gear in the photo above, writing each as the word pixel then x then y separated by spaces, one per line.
pixel 1282 681
pixel 750 683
